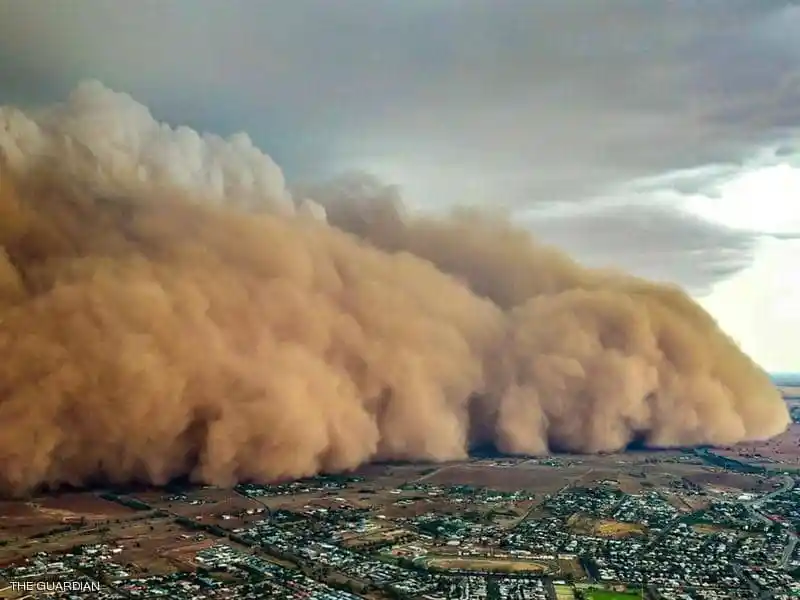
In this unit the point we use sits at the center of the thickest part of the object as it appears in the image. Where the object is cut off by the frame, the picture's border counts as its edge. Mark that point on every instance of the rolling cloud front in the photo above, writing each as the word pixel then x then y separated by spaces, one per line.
pixel 659 139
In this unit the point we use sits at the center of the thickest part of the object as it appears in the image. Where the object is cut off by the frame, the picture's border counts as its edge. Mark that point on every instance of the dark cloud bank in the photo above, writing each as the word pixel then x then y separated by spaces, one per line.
pixel 593 93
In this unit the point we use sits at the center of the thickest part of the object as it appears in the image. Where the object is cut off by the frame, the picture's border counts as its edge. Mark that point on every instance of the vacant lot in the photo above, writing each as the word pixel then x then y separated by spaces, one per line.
pixel 83 504
pixel 616 529
pixel 161 547
pixel 534 478
pixel 64 538
pixel 42 515
pixel 487 564
pixel 21 547
pixel 708 528
pixel 783 449
pixel 63 508
pixel 604 528
pixel 205 501
pixel 571 566
pixel 731 481
pixel 790 391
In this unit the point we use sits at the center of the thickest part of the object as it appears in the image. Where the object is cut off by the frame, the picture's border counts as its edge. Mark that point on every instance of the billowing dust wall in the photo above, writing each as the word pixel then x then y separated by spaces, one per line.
pixel 169 307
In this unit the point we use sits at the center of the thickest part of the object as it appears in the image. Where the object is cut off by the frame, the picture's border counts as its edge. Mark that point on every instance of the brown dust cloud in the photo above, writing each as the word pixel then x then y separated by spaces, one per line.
pixel 169 308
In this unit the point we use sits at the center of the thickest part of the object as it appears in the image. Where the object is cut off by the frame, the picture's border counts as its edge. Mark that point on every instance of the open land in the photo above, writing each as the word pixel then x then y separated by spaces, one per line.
pixel 790 392
pixel 783 449
pixel 670 523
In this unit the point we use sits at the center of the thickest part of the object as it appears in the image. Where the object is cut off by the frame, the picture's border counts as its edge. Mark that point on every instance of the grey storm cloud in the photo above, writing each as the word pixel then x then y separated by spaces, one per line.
pixel 512 103
pixel 651 241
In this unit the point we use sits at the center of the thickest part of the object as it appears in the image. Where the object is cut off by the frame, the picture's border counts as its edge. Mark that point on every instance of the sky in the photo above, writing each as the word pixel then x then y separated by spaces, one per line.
pixel 659 137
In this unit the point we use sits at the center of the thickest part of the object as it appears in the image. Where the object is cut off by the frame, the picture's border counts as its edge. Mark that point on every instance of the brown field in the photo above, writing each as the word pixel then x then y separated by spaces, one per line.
pixel 633 479
pixel 731 481
pixel 211 500
pixel 685 502
pixel 41 515
pixel 82 504
pixel 617 530
pixel 214 503
pixel 708 528
pixel 211 509
pixel 300 502
pixel 571 566
pixel 382 477
pixel 790 391
pixel 641 472
pixel 63 508
pixel 91 534
pixel 17 551
pixel 631 459
pixel 783 449
pixel 604 527
pixel 413 509
pixel 632 485
pixel 488 564
pixel 420 505
pixel 650 477
pixel 378 473
pixel 697 502
pixel 164 548
pixel 387 535
pixel 535 478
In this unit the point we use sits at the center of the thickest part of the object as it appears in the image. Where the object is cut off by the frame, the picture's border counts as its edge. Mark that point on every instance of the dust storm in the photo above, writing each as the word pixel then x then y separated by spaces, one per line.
pixel 169 307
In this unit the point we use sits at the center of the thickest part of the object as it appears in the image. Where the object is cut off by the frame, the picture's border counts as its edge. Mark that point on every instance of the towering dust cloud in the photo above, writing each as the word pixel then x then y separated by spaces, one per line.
pixel 168 307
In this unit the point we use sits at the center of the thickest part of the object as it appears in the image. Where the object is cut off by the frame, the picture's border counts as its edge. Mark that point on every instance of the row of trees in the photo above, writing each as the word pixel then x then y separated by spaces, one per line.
pixel 126 501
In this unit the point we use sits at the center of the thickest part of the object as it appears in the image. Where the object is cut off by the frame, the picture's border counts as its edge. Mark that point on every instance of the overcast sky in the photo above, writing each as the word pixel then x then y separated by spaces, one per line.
pixel 657 136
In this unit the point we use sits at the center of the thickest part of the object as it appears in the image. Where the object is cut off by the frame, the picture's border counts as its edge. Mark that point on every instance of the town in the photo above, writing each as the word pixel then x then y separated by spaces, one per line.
pixel 678 525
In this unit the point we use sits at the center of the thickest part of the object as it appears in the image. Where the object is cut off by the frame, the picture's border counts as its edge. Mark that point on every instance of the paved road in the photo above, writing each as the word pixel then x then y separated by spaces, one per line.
pixel 754 505
pixel 750 583
pixel 431 474
pixel 789 550
pixel 572 482
pixel 788 486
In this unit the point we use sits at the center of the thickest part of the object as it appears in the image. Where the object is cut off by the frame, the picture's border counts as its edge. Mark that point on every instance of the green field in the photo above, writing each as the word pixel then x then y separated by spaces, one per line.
pixel 564 592
pixel 607 595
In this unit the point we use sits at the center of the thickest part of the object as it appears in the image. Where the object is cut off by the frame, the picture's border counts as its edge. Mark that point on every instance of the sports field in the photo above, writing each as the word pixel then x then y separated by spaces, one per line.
pixel 564 592
pixel 608 595
pixel 486 564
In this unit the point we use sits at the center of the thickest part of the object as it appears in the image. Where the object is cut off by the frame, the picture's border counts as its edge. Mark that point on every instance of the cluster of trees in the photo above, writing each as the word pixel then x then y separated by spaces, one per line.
pixel 192 524
pixel 56 531
pixel 126 501
pixel 728 463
